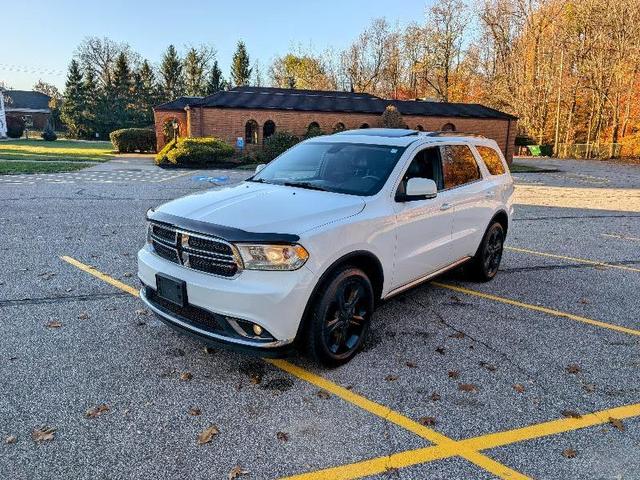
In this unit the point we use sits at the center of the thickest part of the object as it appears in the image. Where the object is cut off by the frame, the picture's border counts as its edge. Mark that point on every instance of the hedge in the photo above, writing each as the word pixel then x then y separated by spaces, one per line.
pixel 206 151
pixel 128 140
pixel 276 144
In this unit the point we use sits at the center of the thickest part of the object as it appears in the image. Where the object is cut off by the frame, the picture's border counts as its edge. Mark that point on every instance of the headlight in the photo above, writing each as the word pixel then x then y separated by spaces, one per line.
pixel 272 257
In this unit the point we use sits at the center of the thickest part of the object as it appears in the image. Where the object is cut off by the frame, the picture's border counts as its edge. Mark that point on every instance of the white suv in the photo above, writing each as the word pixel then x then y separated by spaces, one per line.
pixel 306 248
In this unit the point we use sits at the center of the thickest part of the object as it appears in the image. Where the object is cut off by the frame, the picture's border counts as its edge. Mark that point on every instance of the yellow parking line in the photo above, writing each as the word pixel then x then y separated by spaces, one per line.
pixel 573 259
pixel 538 308
pixel 105 278
pixel 620 237
pixel 386 413
pixel 483 442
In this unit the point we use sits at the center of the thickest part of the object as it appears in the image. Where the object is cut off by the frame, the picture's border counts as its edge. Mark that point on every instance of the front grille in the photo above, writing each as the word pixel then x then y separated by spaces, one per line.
pixel 195 251
pixel 196 316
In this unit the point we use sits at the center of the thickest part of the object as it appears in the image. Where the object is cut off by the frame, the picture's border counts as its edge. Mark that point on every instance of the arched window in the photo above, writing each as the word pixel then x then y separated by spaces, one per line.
pixel 448 127
pixel 420 128
pixel 339 127
pixel 171 129
pixel 268 129
pixel 251 132
pixel 313 126
pixel 364 125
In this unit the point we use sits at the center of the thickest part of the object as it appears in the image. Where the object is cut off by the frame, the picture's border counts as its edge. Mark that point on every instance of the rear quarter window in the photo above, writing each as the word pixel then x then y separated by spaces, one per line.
pixel 491 159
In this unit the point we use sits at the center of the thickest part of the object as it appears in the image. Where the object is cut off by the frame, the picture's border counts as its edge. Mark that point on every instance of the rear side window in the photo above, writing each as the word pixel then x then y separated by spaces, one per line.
pixel 459 166
pixel 491 160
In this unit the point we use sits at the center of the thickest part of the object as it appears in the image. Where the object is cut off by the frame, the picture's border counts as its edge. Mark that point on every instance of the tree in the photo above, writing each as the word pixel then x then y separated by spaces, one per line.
pixel 100 54
pixel 240 70
pixel 171 74
pixel 74 101
pixel 215 82
pixel 47 89
pixel 54 102
pixel 121 94
pixel 300 71
pixel 145 94
pixel 196 63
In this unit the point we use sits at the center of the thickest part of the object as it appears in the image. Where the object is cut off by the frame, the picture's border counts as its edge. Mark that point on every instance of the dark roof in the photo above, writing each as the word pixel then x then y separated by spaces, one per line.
pixel 27 100
pixel 178 104
pixel 332 101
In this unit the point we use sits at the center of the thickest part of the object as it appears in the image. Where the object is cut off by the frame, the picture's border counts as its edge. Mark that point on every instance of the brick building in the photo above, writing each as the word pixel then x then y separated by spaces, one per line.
pixel 32 107
pixel 255 113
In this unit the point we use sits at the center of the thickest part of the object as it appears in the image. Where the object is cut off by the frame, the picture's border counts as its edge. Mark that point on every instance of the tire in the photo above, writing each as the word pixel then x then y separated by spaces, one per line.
pixel 484 265
pixel 340 317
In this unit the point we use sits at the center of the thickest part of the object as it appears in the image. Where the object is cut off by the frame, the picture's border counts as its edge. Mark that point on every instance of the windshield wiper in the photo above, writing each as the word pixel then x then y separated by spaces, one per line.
pixel 257 180
pixel 307 185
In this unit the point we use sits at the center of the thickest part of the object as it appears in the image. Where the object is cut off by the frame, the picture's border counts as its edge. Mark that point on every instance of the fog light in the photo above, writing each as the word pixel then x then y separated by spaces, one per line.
pixel 257 329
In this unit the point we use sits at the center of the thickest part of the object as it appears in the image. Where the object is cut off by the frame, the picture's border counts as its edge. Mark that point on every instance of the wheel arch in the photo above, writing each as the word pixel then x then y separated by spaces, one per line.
pixel 502 218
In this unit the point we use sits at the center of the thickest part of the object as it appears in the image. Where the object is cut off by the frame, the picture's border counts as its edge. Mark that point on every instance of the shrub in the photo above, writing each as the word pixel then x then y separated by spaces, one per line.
pixel 128 140
pixel 630 146
pixel 275 145
pixel 314 132
pixel 205 151
pixel 48 134
pixel 391 118
pixel 15 127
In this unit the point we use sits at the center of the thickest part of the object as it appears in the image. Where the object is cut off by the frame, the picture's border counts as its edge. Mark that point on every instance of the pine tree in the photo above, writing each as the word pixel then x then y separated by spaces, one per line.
pixel 145 94
pixel 215 82
pixel 92 95
pixel 121 114
pixel 195 67
pixel 74 101
pixel 171 76
pixel 240 71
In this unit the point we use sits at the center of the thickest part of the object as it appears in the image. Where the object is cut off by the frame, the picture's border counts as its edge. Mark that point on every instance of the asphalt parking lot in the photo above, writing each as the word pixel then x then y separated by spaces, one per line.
pixel 535 374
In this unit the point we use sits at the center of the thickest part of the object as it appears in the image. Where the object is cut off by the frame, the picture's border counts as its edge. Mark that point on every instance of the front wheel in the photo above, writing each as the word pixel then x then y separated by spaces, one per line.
pixel 340 317
pixel 484 265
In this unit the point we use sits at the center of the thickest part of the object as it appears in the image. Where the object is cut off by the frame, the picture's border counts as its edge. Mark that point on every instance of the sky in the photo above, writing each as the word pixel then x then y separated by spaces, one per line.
pixel 40 37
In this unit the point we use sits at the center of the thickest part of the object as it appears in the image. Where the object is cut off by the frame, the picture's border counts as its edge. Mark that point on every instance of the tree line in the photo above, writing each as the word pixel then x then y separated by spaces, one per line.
pixel 569 69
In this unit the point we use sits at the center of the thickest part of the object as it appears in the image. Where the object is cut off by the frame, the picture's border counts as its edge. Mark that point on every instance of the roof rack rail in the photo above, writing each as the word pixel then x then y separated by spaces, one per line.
pixel 449 133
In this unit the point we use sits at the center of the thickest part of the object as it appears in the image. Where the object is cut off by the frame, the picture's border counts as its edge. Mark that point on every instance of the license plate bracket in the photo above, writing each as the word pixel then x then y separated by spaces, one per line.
pixel 171 289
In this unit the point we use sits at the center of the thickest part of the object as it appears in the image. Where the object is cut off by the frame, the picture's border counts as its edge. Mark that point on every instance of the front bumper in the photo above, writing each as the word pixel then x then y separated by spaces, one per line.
pixel 274 300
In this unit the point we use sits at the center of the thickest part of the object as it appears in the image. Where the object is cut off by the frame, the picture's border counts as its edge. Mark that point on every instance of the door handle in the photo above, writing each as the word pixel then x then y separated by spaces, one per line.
pixel 445 206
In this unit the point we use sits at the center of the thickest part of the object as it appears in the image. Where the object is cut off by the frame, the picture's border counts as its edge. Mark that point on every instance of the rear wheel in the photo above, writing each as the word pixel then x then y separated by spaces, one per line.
pixel 484 265
pixel 340 317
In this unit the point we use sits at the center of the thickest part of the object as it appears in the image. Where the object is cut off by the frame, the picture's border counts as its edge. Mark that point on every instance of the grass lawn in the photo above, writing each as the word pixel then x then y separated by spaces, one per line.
pixel 519 168
pixel 15 168
pixel 65 150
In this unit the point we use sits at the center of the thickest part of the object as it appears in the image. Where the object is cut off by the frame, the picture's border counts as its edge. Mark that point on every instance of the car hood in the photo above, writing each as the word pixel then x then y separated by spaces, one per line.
pixel 265 208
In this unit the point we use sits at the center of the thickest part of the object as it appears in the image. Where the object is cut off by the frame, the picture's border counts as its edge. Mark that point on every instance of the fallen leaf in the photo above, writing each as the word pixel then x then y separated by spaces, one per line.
pixel 455 298
pixel 128 275
pixel 83 316
pixel 457 335
pixel 323 394
pixel 97 411
pixel 454 374
pixel 186 376
pixel 68 290
pixel 391 378
pixel 584 301
pixel 54 324
pixel 435 396
pixel 427 421
pixel 440 350
pixel 207 434
pixel 488 366
pixel 569 453
pixel 571 414
pixel 10 439
pixel 209 350
pixel 282 436
pixel 236 472
pixel 467 387
pixel 43 434
pixel 518 387
pixel 142 311
pixel 411 365
pixel 589 387
pixel 255 378
pixel 194 411
pixel 573 368
pixel 616 423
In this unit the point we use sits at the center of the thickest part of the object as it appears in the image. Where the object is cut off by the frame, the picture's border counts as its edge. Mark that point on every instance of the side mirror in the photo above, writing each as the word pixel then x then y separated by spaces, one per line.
pixel 260 167
pixel 420 189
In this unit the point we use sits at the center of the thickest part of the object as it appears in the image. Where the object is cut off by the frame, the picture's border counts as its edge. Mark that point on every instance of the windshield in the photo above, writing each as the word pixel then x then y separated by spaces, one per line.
pixel 356 169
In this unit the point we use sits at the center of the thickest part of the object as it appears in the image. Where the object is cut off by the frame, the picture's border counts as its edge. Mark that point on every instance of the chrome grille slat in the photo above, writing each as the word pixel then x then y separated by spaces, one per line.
pixel 178 246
